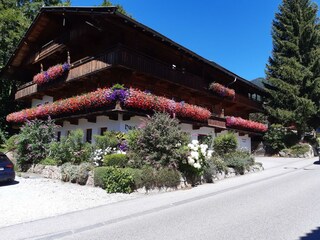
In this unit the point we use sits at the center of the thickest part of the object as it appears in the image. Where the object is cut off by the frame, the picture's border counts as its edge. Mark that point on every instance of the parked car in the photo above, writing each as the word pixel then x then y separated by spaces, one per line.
pixel 7 173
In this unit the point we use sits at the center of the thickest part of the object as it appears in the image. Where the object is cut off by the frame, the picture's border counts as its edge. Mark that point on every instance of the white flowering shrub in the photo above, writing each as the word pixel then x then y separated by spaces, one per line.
pixel 98 154
pixel 199 154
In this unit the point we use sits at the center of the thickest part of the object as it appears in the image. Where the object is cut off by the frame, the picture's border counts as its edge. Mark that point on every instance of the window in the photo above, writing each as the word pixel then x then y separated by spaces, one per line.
pixel 89 135
pixel 202 138
pixel 58 136
pixel 102 130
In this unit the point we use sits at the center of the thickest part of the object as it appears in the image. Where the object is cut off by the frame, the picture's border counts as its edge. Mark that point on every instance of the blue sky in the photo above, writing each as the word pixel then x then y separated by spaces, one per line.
pixel 233 33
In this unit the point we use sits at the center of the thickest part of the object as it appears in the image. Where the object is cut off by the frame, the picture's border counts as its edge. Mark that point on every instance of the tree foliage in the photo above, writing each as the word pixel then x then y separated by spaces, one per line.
pixel 161 143
pixel 293 72
pixel 107 3
pixel 15 17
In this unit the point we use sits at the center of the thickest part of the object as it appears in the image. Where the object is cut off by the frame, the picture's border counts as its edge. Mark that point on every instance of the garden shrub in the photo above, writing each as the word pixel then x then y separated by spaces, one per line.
pixel 76 173
pixel 116 160
pixel 298 150
pixel 161 143
pixel 34 140
pixel 116 180
pixel 108 139
pixel 3 137
pixel 98 176
pixel 11 143
pixel 214 166
pixel 49 161
pixel 168 178
pixel 225 143
pixel 71 149
pixel 83 172
pixel 148 177
pixel 239 160
pixel 137 177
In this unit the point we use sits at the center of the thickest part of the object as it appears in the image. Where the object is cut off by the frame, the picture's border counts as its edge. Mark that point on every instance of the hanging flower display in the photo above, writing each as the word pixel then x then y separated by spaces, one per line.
pixel 222 90
pixel 66 106
pixel 130 98
pixel 146 101
pixel 247 124
pixel 51 74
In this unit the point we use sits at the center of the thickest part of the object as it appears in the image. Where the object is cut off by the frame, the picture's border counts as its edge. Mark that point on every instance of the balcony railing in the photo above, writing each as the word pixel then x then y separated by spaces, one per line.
pixel 128 58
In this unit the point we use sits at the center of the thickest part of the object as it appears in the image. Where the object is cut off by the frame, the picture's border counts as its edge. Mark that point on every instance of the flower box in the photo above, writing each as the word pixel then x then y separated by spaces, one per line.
pixel 222 91
pixel 129 98
pixel 51 74
pixel 246 124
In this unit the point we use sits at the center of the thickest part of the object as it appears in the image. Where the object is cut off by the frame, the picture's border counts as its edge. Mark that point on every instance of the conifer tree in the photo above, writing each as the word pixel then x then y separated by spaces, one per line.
pixel 293 72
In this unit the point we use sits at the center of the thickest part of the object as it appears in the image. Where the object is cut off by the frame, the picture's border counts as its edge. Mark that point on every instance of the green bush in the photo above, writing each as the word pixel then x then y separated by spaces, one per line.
pixel 116 160
pixel 148 178
pixel 161 143
pixel 168 178
pixel 239 160
pixel 214 165
pixel 83 172
pixel 3 137
pixel 34 140
pixel 71 149
pixel 299 149
pixel 69 172
pixel 98 176
pixel 225 143
pixel 114 180
pixel 137 177
pixel 49 161
pixel 11 143
pixel 75 173
pixel 108 139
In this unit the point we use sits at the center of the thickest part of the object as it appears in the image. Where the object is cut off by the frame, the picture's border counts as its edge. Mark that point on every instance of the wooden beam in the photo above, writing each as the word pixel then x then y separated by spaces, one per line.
pixel 74 121
pixel 92 119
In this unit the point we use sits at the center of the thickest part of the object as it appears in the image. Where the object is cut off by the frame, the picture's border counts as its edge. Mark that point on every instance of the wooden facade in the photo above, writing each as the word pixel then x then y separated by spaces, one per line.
pixel 105 47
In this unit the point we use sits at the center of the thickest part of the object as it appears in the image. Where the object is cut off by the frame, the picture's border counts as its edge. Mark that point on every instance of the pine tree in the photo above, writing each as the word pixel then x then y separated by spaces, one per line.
pixel 293 72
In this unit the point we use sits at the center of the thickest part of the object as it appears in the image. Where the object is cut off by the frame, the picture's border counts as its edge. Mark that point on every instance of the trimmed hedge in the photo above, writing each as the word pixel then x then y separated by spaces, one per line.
pixel 115 160
pixel 114 180
pixel 126 180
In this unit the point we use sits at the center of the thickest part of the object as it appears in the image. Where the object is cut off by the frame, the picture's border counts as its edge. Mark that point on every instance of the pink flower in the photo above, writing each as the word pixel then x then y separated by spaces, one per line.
pixel 247 124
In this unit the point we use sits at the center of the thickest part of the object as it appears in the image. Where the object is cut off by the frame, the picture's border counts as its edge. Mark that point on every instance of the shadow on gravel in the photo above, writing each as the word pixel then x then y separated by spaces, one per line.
pixel 313 235
pixel 5 184
pixel 317 162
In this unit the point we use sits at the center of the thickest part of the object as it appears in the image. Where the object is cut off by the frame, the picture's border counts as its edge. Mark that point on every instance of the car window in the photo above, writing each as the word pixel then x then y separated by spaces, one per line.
pixel 3 158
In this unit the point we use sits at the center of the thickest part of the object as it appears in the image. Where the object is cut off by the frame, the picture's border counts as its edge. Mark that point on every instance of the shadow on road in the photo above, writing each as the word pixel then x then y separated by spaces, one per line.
pixel 313 235
pixel 317 162
pixel 5 184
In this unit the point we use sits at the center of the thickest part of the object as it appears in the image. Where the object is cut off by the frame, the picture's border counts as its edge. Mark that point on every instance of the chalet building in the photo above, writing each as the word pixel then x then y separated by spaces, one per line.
pixel 71 57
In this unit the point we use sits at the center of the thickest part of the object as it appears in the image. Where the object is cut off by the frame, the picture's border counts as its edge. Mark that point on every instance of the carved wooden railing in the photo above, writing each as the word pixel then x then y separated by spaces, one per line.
pixel 123 56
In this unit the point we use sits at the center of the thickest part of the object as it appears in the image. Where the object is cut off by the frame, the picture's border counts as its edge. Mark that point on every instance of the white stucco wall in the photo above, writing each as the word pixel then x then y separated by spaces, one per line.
pixel 244 142
pixel 45 99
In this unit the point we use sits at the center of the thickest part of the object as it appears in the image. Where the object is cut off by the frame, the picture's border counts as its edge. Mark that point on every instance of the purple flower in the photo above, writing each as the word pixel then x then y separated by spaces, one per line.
pixel 66 66
pixel 118 95
pixel 123 146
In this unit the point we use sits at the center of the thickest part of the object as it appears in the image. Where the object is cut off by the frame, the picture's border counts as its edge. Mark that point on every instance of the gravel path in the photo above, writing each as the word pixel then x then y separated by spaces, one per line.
pixel 36 198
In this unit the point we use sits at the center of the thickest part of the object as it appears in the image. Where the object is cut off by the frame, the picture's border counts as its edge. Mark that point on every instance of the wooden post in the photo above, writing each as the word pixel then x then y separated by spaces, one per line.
pixel 41 67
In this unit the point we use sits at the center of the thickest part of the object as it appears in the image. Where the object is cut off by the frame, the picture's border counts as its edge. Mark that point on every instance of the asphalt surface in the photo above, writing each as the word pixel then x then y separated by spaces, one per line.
pixel 282 202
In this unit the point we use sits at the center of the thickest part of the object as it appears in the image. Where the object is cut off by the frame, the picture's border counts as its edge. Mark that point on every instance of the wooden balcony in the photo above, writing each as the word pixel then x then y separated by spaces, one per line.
pixel 121 56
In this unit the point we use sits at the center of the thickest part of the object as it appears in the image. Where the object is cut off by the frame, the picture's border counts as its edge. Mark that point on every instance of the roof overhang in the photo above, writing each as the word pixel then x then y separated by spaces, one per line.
pixel 20 51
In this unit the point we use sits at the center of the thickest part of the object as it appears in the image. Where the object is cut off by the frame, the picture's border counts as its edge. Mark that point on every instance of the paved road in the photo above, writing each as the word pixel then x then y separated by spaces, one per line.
pixel 282 202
